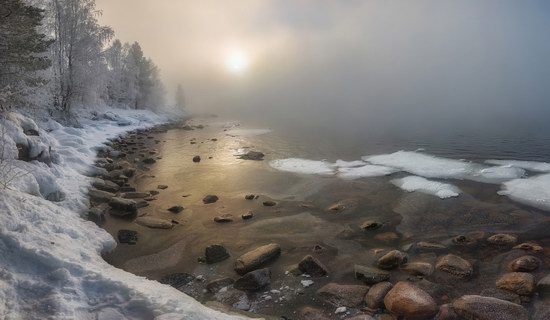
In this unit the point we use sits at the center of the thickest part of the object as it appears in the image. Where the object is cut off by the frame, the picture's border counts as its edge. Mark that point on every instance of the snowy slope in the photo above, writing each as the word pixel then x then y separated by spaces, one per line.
pixel 51 265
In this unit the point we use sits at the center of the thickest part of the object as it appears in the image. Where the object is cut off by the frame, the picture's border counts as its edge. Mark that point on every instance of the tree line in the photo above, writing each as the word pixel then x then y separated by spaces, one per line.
pixel 55 54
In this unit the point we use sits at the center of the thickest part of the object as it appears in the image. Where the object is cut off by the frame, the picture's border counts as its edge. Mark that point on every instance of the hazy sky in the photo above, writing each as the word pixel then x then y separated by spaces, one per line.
pixel 350 61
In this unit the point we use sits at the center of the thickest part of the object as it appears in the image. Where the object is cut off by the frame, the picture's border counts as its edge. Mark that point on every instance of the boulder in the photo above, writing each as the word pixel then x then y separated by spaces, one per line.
pixel 313 267
pixel 375 295
pixel 411 302
pixel 253 280
pixel 341 295
pixel 256 258
pixel 518 282
pixel 215 253
pixel 392 260
pixel 487 308
pixel 454 265
pixel 370 275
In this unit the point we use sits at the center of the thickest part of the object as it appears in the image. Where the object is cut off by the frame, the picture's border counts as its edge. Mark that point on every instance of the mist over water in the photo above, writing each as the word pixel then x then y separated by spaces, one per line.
pixel 469 76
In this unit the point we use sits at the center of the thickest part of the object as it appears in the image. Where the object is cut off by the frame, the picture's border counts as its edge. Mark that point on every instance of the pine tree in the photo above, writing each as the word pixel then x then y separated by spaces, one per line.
pixel 22 48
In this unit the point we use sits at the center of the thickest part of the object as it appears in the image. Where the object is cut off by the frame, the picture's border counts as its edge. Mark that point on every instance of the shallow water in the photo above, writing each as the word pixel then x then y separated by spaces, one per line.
pixel 302 220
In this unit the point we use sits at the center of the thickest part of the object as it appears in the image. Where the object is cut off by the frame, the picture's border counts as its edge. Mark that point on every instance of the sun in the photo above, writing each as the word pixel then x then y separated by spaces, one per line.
pixel 236 61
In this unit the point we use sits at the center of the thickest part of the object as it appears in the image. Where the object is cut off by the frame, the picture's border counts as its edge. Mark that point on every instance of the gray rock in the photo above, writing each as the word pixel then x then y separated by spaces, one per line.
pixel 252 155
pixel 341 295
pixel 124 205
pixel 392 260
pixel 253 280
pixel 215 253
pixel 312 266
pixel 256 258
pixel 269 203
pixel 370 275
pixel 100 196
pixel 501 294
pixel 487 308
pixel 247 216
pixel 176 209
pixel 177 280
pixel 149 160
pixel 135 195
pixel 376 294
pixel 105 185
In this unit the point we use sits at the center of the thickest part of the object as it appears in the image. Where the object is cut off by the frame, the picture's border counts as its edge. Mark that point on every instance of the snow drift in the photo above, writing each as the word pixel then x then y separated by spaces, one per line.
pixel 51 266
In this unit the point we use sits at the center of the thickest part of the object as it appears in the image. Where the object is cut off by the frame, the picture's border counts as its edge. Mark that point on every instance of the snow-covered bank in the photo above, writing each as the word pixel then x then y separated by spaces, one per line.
pixel 51 266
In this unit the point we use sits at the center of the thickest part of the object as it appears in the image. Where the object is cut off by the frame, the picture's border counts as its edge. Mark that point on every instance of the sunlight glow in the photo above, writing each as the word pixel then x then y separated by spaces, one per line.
pixel 236 61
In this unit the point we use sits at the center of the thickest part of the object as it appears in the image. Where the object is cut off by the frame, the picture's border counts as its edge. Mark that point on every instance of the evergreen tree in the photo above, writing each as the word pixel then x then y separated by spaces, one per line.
pixel 22 48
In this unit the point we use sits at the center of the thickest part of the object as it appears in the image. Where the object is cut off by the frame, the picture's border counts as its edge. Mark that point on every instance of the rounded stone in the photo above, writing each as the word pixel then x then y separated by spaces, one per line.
pixel 525 264
pixel 411 302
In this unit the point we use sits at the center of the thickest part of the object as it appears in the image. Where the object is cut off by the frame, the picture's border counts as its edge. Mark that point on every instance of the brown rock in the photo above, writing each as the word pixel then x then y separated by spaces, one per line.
pixel 487 308
pixel 529 246
pixel 376 294
pixel 503 239
pixel 525 264
pixel 253 280
pixel 257 257
pixel 224 218
pixel 518 282
pixel 210 199
pixel 392 260
pixel 455 266
pixel 409 301
pixel 418 268
pixel 370 275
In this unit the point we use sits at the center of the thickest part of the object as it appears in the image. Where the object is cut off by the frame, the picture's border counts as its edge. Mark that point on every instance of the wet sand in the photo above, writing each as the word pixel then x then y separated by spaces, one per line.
pixel 303 222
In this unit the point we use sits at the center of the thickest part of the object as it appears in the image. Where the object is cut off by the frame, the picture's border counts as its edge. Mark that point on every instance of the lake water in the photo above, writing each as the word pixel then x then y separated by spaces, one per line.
pixel 319 211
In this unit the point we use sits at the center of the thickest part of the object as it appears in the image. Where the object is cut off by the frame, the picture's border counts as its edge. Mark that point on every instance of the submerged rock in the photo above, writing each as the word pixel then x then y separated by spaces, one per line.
pixel 376 294
pixel 269 203
pixel 312 266
pixel 210 199
pixel 370 275
pixel 215 253
pixel 525 264
pixel 154 223
pixel 253 280
pixel 341 295
pixel 247 216
pixel 176 209
pixel 518 282
pixel 252 155
pixel 411 302
pixel 127 236
pixel 543 286
pixel 529 246
pixel 455 266
pixel 135 195
pixel 392 260
pixel 224 218
pixel 487 308
pixel 256 258
pixel 197 159
pixel 418 268
pixel 371 225
pixel 503 239
pixel 249 197
pixel 126 206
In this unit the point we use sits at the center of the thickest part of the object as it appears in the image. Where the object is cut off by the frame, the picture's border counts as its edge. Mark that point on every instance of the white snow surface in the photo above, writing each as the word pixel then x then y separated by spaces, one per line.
pixel 303 166
pixel 51 266
pixel 368 170
pixel 533 191
pixel 527 165
pixel 439 189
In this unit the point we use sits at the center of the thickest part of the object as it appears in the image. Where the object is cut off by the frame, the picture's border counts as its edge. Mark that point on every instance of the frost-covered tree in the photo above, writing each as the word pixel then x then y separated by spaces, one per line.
pixel 80 66
pixel 23 50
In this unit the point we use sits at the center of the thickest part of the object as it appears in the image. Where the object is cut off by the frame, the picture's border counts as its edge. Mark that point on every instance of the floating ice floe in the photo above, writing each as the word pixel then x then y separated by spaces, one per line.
pixel 534 191
pixel 304 166
pixel 527 165
pixel 429 166
pixel 414 183
pixel 369 170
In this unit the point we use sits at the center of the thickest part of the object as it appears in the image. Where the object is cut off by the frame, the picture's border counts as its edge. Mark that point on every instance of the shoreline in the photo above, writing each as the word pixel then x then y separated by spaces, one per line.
pixel 422 255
